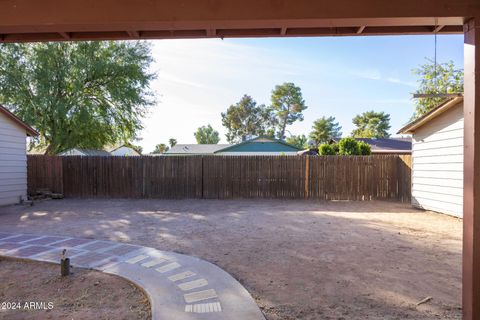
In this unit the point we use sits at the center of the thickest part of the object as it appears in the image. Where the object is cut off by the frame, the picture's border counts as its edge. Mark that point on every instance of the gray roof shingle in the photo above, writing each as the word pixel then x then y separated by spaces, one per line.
pixel 388 144
pixel 89 152
pixel 196 148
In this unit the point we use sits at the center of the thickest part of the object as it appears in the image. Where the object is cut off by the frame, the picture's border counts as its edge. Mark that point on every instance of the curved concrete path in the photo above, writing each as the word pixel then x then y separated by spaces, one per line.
pixel 179 287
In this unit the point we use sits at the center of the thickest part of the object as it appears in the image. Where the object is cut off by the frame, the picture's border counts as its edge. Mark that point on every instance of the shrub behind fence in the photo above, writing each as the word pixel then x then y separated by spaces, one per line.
pixel 224 177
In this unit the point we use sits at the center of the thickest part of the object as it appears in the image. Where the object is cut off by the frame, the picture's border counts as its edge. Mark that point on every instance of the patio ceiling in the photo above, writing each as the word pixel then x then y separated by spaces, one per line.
pixel 60 20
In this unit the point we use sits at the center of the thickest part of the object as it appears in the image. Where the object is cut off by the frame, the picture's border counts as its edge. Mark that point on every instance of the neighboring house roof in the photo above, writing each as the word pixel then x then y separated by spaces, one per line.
pixel 432 114
pixel 257 153
pixel 124 146
pixel 88 152
pixel 259 145
pixel 196 148
pixel 29 130
pixel 388 145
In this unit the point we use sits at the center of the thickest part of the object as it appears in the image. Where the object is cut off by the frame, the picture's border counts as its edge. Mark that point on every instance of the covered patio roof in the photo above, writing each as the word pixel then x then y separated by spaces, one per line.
pixel 60 20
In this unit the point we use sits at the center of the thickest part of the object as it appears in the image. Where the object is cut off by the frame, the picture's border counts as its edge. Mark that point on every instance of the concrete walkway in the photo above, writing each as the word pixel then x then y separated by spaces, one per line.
pixel 179 287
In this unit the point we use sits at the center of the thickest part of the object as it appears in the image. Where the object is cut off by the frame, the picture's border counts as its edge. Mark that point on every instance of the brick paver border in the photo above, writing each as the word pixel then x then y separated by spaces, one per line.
pixel 178 286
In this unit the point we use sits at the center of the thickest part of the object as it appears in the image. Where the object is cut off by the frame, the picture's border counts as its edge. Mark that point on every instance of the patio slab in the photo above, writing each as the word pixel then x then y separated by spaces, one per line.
pixel 179 287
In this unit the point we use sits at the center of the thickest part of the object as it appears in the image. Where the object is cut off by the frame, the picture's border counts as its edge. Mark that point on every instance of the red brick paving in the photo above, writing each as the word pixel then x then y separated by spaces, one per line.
pixel 106 263
pixel 44 241
pixel 99 245
pixel 122 250
pixel 29 251
pixel 72 243
pixel 5 235
pixel 88 258
pixel 55 255
pixel 4 247
pixel 22 237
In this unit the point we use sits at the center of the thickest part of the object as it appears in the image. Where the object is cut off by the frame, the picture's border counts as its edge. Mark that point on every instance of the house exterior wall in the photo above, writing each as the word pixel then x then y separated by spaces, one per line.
pixel 437 169
pixel 124 151
pixel 13 162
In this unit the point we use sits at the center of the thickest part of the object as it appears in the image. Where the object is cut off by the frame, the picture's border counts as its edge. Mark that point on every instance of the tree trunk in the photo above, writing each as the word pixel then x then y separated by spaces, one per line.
pixel 284 127
pixel 48 151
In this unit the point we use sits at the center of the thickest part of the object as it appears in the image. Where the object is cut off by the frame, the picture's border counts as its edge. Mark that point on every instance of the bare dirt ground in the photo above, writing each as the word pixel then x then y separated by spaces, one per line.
pixel 299 259
pixel 86 295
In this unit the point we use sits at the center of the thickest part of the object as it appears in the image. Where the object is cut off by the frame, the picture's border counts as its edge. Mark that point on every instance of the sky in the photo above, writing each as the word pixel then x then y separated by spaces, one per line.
pixel 340 77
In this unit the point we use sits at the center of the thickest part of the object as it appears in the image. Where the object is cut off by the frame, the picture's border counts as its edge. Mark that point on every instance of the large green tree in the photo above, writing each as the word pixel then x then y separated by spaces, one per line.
pixel 445 78
pixel 160 148
pixel 299 141
pixel 288 105
pixel 246 118
pixel 371 124
pixel 351 147
pixel 172 142
pixel 84 94
pixel 135 147
pixel 207 135
pixel 325 129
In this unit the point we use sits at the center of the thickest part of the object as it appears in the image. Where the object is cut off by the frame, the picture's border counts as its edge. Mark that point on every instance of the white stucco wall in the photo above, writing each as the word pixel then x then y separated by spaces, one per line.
pixel 437 172
pixel 13 162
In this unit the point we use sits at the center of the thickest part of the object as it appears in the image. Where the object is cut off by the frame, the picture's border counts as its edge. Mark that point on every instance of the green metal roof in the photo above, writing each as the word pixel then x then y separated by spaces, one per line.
pixel 254 145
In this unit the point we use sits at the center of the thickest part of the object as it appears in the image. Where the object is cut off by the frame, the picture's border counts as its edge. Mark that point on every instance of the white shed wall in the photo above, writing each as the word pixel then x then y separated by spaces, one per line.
pixel 13 162
pixel 437 171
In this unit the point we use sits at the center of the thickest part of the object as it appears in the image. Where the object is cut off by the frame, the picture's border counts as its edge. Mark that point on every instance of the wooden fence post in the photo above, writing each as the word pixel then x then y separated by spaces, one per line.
pixel 203 178
pixel 144 178
pixel 307 182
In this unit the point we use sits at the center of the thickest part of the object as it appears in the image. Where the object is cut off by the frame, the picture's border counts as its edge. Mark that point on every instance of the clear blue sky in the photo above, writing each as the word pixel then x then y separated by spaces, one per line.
pixel 340 77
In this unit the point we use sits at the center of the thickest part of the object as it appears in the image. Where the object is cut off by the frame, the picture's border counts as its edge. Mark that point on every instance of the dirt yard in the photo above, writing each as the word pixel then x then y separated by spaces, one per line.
pixel 299 259
pixel 86 295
